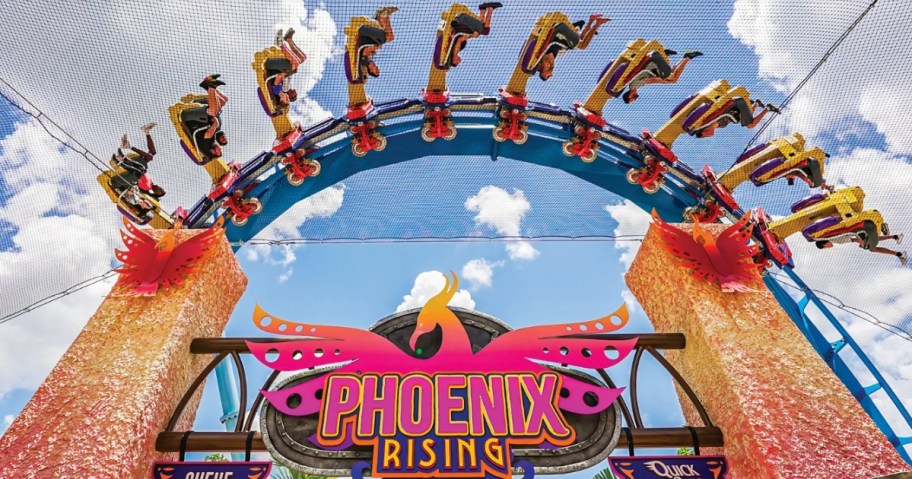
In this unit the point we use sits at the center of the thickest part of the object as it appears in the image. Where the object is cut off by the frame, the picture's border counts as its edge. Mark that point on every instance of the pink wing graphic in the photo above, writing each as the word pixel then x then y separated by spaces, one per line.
pixel 570 344
pixel 727 259
pixel 325 346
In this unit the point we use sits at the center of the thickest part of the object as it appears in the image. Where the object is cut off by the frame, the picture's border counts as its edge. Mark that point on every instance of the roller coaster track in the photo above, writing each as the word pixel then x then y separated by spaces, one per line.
pixel 400 121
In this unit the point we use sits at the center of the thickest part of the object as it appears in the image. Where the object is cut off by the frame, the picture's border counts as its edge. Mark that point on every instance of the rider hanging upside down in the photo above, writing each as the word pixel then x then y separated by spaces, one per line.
pixel 656 72
pixel 466 27
pixel 740 112
pixel 865 243
pixel 136 165
pixel 215 102
pixel 278 70
pixel 567 39
pixel 375 39
pixel 130 182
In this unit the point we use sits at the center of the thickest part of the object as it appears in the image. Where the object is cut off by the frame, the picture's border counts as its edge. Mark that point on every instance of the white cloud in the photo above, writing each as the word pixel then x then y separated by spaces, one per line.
pixel 63 233
pixel 7 421
pixel 631 221
pixel 856 89
pixel 480 272
pixel 427 285
pixel 858 81
pixel 103 70
pixel 321 205
pixel 499 209
pixel 32 344
pixel 503 212
pixel 133 62
pixel 521 251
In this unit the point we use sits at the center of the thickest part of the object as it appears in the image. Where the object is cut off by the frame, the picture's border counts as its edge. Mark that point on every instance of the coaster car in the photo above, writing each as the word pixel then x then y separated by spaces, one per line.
pixel 639 59
pixel 240 208
pixel 553 33
pixel 458 24
pixel 784 157
pixel 191 121
pixel 363 34
pixel 656 159
pixel 137 203
pixel 587 131
pixel 267 64
pixel 776 248
pixel 718 104
pixel 837 217
pixel 298 167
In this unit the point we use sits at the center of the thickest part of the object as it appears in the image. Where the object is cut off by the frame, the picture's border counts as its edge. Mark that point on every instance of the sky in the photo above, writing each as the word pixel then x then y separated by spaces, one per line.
pixel 112 67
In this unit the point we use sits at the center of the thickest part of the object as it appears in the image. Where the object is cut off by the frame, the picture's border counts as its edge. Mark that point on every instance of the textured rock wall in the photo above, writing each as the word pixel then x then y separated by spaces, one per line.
pixel 99 411
pixel 783 413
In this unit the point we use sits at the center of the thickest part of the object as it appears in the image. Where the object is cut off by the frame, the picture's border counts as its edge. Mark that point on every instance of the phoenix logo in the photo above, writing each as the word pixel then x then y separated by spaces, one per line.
pixel 457 412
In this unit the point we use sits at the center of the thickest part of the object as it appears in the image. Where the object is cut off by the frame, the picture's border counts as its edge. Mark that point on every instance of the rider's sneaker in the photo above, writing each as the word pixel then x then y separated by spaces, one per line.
pixel 693 54
pixel 669 52
pixel 124 142
pixel 492 5
pixel 278 38
pixel 147 127
pixel 903 258
pixel 385 12
pixel 899 238
pixel 289 34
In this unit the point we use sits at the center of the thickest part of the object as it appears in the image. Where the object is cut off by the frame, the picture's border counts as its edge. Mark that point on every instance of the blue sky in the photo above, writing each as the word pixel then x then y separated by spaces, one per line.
pixel 567 281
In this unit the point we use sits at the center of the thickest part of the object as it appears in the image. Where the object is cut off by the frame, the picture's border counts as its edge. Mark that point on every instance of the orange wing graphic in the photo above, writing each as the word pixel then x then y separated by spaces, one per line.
pixel 727 259
pixel 149 264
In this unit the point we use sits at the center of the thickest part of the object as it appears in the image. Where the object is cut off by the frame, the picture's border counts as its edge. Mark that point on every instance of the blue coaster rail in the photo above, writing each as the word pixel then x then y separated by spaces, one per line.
pixel 548 127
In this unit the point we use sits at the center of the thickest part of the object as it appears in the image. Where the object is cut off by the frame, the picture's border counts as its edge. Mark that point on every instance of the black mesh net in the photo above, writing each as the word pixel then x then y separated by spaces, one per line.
pixel 75 80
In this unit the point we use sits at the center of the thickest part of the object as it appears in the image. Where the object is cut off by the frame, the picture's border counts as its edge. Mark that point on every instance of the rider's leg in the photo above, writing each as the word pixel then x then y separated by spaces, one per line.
pixel 383 18
pixel 898 238
pixel 213 127
pixel 899 254
pixel 758 117
pixel 679 67
pixel 292 52
pixel 460 43
pixel 591 29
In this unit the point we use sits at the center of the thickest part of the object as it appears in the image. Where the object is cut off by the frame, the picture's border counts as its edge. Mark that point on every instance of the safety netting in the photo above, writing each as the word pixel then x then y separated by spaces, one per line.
pixel 75 79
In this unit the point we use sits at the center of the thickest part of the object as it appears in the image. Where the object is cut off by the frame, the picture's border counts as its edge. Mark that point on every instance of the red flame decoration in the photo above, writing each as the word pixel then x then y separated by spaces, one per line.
pixel 727 259
pixel 149 264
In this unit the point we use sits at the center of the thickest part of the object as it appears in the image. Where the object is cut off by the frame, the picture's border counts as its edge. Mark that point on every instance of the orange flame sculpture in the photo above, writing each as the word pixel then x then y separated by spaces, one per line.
pixel 727 259
pixel 149 264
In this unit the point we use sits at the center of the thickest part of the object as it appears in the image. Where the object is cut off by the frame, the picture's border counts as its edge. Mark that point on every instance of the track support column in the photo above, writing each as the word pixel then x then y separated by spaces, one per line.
pixel 783 413
pixel 100 410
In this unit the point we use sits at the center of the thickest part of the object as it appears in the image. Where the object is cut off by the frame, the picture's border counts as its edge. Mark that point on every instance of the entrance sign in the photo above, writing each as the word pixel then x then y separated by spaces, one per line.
pixel 211 470
pixel 670 467
pixel 445 423
pixel 433 394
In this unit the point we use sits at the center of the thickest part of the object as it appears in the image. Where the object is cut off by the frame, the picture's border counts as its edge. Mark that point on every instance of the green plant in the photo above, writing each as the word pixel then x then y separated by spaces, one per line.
pixel 685 451
pixel 605 474
pixel 216 457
